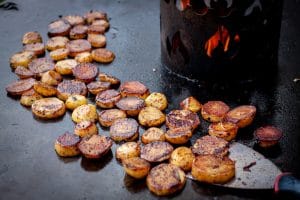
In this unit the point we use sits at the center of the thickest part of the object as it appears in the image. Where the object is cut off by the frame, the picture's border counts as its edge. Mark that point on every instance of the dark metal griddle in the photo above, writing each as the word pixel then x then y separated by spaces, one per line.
pixel 29 166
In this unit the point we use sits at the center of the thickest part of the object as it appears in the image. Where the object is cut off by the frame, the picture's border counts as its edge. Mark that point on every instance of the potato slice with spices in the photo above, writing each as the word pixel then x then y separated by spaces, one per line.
pixel 70 87
pixel 64 67
pixel 211 145
pixel 78 32
pixel 78 46
pixel 191 103
pixel 21 59
pixel 93 15
pixel 32 37
pixel 241 115
pixel 131 105
pixel 95 146
pixel 57 42
pixel 96 29
pixel 66 145
pixel 85 113
pixel 19 87
pixel 59 27
pixel 134 88
pixel 267 136
pixel 128 150
pixel 41 65
pixel 224 130
pixel 37 48
pixel 102 55
pixel 157 100
pixel 166 179
pixel 107 117
pixel 44 89
pixel 182 119
pixel 59 54
pixel 213 169
pixel 51 78
pixel 214 111
pixel 136 167
pixel 124 130
pixel 48 108
pixel 153 134
pixel 108 78
pixel 101 22
pixel 97 40
pixel 85 72
pixel 178 135
pixel 75 100
pixel 23 72
pixel 97 87
pixel 29 97
pixel 85 128
pixel 85 57
pixel 107 98
pixel 156 151
pixel 182 157
pixel 74 20
pixel 151 116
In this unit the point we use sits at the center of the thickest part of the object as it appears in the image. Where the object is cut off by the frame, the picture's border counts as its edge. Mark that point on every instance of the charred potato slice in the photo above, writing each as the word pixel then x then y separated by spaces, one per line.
pixel 182 157
pixel 44 89
pixel 78 46
pixel 85 128
pixel 66 145
pixel 165 179
pixel 156 151
pixel 151 116
pixel 124 129
pixel 268 136
pixel 131 105
pixel 134 88
pixel 57 42
pixel 70 87
pixel 41 65
pixel 108 78
pixel 103 55
pixel 95 146
pixel 214 111
pixel 85 113
pixel 107 117
pixel 59 27
pixel 64 67
pixel 207 145
pixel 97 87
pixel 213 169
pixel 224 130
pixel 29 97
pixel 153 134
pixel 128 150
pixel 59 54
pixel 157 100
pixel 75 100
pixel 51 78
pixel 78 32
pixel 37 48
pixel 85 57
pixel 74 20
pixel 32 37
pixel 136 167
pixel 191 103
pixel 93 15
pixel 178 135
pixel 241 115
pixel 19 87
pixel 96 29
pixel 107 98
pixel 101 22
pixel 48 108
pixel 23 72
pixel 85 72
pixel 182 119
pixel 21 59
pixel 97 40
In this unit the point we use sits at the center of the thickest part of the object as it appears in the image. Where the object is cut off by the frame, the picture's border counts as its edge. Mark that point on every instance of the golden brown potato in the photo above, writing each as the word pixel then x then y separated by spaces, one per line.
pixel 48 108
pixel 64 67
pixel 107 117
pixel 85 72
pixel 213 169
pixel 78 46
pixel 74 20
pixel 151 116
pixel 59 27
pixel 224 130
pixel 97 40
pixel 214 111
pixel 70 87
pixel 93 15
pixel 241 115
pixel 17 88
pixel 136 167
pixel 51 78
pixel 165 179
pixel 207 145
pixel 131 105
pixel 97 87
pixel 128 150
pixel 78 32
pixel 178 135
pixel 182 157
pixel 85 113
pixel 102 55
pixel 37 48
pixel 85 128
pixel 59 54
pixel 66 145
pixel 23 72
pixel 124 129
pixel 191 103
pixel 134 88
pixel 85 57
pixel 39 66
pixel 57 42
pixel 156 151
pixel 29 97
pixel 96 29
pixel 182 119
pixel 32 37
pixel 21 59
pixel 153 134
pixel 268 136
pixel 44 89
pixel 101 22
pixel 107 98
pixel 75 100
pixel 157 100
pixel 108 78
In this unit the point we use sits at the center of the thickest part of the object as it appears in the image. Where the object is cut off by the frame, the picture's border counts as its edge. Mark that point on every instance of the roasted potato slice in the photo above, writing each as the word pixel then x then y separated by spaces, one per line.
pixel 101 22
pixel 108 78
pixel 131 105
pixel 214 111
pixel 78 32
pixel 59 27
pixel 107 98
pixel 66 145
pixel 124 129
pixel 241 115
pixel 85 72
pixel 211 145
pixel 59 54
pixel 95 146
pixel 151 116
pixel 128 150
pixel 96 29
pixel 107 117
pixel 64 67
pixel 39 66
pixel 85 113
pixel 182 119
pixel 51 78
pixel 178 135
pixel 156 151
pixel 85 128
pixel 213 169
pixel 102 55
pixel 21 59
pixel 224 130
pixel 70 87
pixel 74 20
pixel 191 103
pixel 93 15
pixel 97 87
pixel 29 97
pixel 57 42
pixel 37 48
pixel 165 179
pixel 23 72
pixel 44 89
pixel 85 57
pixel 32 37
pixel 153 134
pixel 78 46
pixel 157 100
pixel 182 157
pixel 136 167
pixel 134 88
pixel 75 100
pixel 267 136
pixel 19 87
pixel 48 108
pixel 97 40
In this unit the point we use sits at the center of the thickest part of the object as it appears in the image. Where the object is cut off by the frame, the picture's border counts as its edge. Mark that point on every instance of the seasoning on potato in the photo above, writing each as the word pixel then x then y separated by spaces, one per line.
pixel 97 87
pixel 153 134
pixel 128 150
pixel 48 108
pixel 66 145
pixel 268 136
pixel 70 87
pixel 44 89
pixel 59 27
pixel 107 98
pixel 242 116
pixel 157 100
pixel 214 111
pixel 182 157
pixel 78 46
pixel 17 88
pixel 136 167
pixel 211 145
pixel 85 72
pixel 29 97
pixel 131 105
pixel 85 128
pixel 84 112
pixel 191 103
pixel 39 66
pixel 182 119
pixel 32 37
pixel 224 130
pixel 64 67
pixel 75 100
pixel 134 88
pixel 102 55
pixel 151 116
pixel 107 117
pixel 57 42
pixel 178 135
pixel 156 151
pixel 21 59
pixel 124 129
pixel 23 72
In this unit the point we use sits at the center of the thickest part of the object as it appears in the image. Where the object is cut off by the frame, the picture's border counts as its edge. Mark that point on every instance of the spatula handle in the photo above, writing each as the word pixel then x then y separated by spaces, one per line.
pixel 287 183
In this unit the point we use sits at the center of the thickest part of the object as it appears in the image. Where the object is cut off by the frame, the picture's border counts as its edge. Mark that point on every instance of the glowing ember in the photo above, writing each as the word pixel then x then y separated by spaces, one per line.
pixel 182 4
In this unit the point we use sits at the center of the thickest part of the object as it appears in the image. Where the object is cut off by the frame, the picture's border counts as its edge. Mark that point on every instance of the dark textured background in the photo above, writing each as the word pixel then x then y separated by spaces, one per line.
pixel 29 167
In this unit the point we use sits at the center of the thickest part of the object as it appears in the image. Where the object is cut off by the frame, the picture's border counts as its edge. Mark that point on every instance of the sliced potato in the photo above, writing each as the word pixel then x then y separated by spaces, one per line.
pixel 107 117
pixel 48 108
pixel 224 130
pixel 267 136
pixel 108 78
pixel 97 87
pixel 37 48
pixel 85 57
pixel 32 37
pixel 23 72
pixel 59 27
pixel 131 105
pixel 97 40
pixel 101 22
pixel 59 54
pixel 191 103
pixel 85 128
pixel 136 167
pixel 70 87
pixel 124 129
pixel 66 145
pixel 74 20
pixel 39 66
pixel 96 29
pixel 21 59
pixel 153 134
pixel 85 113
pixel 29 97
pixel 214 111
pixel 57 42
pixel 75 100
pixel 178 135
pixel 157 100
pixel 19 87
pixel 102 55
pixel 134 88
pixel 85 72
pixel 182 157
pixel 93 15
pixel 64 67
pixel 182 119
pixel 51 78
pixel 151 116
pixel 78 46
pixel 128 150
pixel 107 98
pixel 241 115
pixel 44 89
pixel 207 145
pixel 78 32
pixel 156 151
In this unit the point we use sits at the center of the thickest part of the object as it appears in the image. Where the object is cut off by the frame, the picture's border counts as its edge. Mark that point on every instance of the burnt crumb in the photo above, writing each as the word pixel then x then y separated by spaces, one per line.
pixel 247 167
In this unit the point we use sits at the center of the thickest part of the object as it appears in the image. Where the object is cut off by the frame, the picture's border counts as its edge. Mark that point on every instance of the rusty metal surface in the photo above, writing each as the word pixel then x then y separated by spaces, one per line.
pixel 29 166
